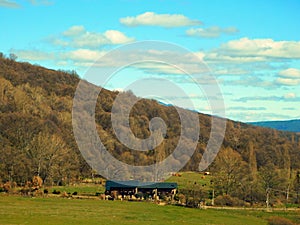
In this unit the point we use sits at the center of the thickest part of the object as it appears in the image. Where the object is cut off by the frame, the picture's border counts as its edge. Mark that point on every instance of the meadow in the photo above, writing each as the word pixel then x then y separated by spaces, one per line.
pixel 191 180
pixel 57 210
pixel 186 180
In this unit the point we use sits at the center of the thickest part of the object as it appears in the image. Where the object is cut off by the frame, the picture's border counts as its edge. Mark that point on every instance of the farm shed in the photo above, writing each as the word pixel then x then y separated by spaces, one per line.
pixel 134 188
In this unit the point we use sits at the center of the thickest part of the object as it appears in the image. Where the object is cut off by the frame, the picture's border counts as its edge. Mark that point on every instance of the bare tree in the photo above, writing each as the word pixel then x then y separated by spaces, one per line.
pixel 42 151
pixel 229 169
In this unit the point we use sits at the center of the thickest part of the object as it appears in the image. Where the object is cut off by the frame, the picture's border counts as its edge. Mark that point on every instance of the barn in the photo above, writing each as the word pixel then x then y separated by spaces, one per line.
pixel 141 189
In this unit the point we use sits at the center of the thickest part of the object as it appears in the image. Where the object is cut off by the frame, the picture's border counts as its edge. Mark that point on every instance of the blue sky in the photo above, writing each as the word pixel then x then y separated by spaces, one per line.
pixel 251 47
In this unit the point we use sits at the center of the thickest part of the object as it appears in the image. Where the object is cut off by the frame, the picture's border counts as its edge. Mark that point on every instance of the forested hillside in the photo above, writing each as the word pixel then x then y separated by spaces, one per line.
pixel 36 134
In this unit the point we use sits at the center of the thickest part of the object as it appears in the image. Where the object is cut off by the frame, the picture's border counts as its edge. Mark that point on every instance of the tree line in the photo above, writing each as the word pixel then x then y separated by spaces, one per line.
pixel 36 137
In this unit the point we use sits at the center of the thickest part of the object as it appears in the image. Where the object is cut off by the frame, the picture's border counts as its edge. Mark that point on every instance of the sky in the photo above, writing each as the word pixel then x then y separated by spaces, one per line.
pixel 252 48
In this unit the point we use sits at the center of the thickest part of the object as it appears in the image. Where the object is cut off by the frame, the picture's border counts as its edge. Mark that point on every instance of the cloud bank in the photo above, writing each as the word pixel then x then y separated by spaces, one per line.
pixel 162 20
pixel 211 32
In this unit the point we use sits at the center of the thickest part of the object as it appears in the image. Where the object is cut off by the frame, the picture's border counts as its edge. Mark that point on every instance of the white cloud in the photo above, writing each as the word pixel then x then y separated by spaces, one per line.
pixel 200 55
pixel 250 81
pixel 231 71
pixel 289 108
pixel 89 40
pixel 15 4
pixel 80 56
pixel 146 61
pixel 117 37
pixel 287 81
pixel 152 61
pixel 265 48
pixel 79 37
pixel 159 68
pixel 253 116
pixel 163 20
pixel 290 73
pixel 246 108
pixel 289 77
pixel 180 63
pixel 225 57
pixel 9 4
pixel 58 42
pixel 211 32
pixel 74 31
pixel 290 95
pixel 247 50
pixel 83 55
pixel 34 55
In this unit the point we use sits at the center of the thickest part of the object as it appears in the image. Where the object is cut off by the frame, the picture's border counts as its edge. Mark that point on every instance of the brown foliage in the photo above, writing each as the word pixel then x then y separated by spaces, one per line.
pixel 227 200
pixel 36 106
pixel 37 182
pixel 7 186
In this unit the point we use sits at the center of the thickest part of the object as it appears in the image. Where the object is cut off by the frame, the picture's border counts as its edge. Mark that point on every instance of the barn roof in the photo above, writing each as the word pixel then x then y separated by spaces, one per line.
pixel 137 184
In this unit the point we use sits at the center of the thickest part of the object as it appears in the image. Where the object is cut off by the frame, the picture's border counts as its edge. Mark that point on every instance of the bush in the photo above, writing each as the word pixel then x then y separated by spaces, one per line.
pixel 146 196
pixel 276 220
pixel 227 200
pixel 208 202
pixel 55 192
pixel 192 203
pixel 139 195
pixel 182 198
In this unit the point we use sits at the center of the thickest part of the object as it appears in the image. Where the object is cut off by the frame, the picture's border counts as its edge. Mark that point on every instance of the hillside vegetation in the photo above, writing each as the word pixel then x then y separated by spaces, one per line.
pixel 36 136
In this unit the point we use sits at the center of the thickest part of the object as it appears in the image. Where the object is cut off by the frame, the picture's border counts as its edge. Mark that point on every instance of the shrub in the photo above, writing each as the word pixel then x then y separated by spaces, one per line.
pixel 208 202
pixel 55 192
pixel 192 203
pixel 227 200
pixel 146 196
pixel 182 198
pixel 139 195
pixel 276 220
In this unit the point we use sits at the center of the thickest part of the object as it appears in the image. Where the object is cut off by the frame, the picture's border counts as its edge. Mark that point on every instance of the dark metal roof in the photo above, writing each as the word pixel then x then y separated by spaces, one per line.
pixel 137 184
pixel 159 186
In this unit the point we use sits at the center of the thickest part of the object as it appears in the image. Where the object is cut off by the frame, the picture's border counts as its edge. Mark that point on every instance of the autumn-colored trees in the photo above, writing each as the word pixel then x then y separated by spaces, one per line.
pixel 34 131
pixel 229 171
pixel 36 137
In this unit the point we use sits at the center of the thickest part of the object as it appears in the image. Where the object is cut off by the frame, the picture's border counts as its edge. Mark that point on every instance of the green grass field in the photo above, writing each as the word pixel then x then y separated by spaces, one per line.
pixel 56 211
pixel 81 189
pixel 188 180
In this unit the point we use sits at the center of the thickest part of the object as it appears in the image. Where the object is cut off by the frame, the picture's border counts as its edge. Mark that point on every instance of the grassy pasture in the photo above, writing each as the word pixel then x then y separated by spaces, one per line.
pixel 187 180
pixel 81 189
pixel 56 211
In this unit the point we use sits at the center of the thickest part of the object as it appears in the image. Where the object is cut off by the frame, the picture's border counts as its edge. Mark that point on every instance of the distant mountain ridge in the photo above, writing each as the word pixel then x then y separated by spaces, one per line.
pixel 285 125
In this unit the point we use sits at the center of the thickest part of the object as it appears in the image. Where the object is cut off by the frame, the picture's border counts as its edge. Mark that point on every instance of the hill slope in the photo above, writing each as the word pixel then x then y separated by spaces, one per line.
pixel 36 135
pixel 288 125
